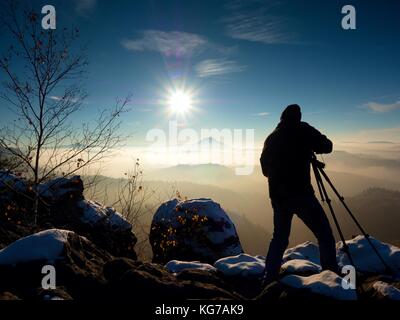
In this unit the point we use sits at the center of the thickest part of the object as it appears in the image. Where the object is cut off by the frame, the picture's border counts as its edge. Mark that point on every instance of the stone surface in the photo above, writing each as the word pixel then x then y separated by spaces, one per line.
pixel 193 230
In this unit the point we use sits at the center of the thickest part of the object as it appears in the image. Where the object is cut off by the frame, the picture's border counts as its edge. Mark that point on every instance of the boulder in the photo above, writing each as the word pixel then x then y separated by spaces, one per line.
pixel 326 283
pixel 102 225
pixel 62 189
pixel 193 230
pixel 11 231
pixel 11 185
pixel 15 198
pixel 303 251
pixel 300 267
pixel 78 264
pixel 175 266
pixel 62 205
pixel 383 288
pixel 153 282
pixel 105 227
pixel 113 270
pixel 8 296
pixel 280 292
pixel 366 259
pixel 203 276
pixel 242 265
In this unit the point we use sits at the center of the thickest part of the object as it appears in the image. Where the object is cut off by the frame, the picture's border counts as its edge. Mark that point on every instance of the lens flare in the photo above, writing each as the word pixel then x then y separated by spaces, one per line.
pixel 180 102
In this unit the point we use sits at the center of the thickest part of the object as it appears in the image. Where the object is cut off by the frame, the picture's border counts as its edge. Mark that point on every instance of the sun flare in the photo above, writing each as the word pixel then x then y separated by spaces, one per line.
pixel 180 102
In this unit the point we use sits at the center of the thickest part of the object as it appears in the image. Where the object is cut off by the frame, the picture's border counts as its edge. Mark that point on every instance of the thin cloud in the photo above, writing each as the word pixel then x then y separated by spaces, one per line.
pixel 258 28
pixel 262 114
pixel 216 67
pixel 253 21
pixel 84 7
pixel 382 107
pixel 381 142
pixel 58 98
pixel 172 43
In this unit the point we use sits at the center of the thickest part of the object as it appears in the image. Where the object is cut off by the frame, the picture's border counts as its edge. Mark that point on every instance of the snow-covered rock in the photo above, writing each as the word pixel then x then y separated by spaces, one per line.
pixel 95 213
pixel 62 205
pixel 300 266
pixel 175 266
pixel 78 263
pixel 326 283
pixel 45 245
pixel 196 229
pixel 365 258
pixel 387 290
pixel 304 251
pixel 62 188
pixel 12 182
pixel 241 265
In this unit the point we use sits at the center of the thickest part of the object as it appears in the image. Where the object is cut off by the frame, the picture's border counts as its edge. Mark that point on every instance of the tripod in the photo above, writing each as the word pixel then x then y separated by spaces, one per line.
pixel 318 168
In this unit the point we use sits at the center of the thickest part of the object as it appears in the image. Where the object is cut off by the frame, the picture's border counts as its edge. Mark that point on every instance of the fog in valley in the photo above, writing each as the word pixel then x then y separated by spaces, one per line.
pixel 370 184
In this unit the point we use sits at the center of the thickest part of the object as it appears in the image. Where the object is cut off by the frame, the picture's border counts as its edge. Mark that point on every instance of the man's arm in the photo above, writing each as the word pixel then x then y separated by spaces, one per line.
pixel 319 142
pixel 265 159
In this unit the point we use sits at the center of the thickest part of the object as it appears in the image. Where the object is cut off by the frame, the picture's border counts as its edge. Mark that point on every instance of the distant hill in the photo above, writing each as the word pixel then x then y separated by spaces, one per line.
pixel 224 177
pixel 376 209
pixel 379 210
pixel 201 173
pixel 362 160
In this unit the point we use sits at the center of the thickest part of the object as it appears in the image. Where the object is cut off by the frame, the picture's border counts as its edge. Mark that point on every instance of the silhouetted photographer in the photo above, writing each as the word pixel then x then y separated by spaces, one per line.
pixel 285 161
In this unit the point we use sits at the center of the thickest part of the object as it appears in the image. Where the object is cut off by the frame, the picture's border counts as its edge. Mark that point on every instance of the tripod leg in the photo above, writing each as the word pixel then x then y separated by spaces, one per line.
pixel 315 169
pixel 341 198
pixel 328 201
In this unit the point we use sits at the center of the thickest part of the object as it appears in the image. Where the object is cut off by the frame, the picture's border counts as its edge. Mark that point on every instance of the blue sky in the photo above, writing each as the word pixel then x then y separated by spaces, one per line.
pixel 245 60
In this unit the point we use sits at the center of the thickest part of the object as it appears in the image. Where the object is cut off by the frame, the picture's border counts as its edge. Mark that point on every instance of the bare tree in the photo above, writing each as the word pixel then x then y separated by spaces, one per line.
pixel 136 203
pixel 43 89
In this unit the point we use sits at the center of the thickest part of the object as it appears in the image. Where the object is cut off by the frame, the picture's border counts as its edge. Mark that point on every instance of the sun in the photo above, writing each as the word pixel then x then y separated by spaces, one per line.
pixel 180 102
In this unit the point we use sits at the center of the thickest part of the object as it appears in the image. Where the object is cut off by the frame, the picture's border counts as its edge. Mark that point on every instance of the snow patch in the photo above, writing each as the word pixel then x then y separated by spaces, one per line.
pixel 241 265
pixel 94 213
pixel 49 297
pixel 175 266
pixel 326 283
pixel 12 182
pixel 387 290
pixel 365 258
pixel 300 265
pixel 59 187
pixel 45 245
pixel 304 251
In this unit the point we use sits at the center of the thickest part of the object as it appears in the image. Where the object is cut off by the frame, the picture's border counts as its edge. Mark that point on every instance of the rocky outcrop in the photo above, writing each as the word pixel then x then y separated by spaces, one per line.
pixel 61 205
pixel 86 272
pixel 382 288
pixel 196 229
pixel 152 282
pixel 78 264
pixel 91 248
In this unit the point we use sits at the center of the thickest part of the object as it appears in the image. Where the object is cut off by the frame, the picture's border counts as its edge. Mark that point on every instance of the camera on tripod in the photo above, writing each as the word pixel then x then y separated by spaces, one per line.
pixel 315 161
